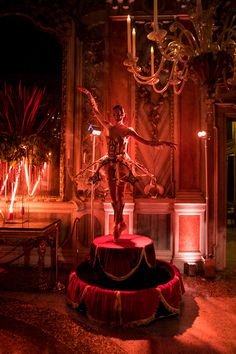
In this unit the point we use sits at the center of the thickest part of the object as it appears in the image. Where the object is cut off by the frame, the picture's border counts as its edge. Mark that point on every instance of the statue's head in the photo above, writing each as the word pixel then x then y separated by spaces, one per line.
pixel 118 113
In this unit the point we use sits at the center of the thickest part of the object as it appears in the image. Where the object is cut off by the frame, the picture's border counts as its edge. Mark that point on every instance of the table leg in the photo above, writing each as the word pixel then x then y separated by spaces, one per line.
pixel 41 252
pixel 59 285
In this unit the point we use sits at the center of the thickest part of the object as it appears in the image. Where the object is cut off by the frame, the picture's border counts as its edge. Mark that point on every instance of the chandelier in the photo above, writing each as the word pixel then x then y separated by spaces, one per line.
pixel 200 40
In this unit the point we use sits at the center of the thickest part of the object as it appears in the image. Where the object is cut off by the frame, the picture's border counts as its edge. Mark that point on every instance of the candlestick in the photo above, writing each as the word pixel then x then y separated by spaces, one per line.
pixel 129 34
pixel 134 42
pixel 155 11
pixel 152 60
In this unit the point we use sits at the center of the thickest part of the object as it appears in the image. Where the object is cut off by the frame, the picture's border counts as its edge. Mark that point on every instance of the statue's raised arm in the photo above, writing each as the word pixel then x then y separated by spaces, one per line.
pixel 98 115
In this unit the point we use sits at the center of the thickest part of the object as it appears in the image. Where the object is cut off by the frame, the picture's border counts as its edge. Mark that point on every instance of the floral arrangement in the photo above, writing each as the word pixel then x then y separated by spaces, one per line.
pixel 25 124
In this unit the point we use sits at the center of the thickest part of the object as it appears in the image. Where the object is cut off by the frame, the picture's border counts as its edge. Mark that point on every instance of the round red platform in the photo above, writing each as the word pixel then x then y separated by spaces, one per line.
pixel 136 288
pixel 121 259
pixel 123 307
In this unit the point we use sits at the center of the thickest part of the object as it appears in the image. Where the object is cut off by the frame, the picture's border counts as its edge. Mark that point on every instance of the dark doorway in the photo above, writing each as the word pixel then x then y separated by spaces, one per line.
pixel 231 196
pixel 29 54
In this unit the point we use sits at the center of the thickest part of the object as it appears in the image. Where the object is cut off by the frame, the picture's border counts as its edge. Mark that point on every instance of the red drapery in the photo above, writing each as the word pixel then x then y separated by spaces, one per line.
pixel 119 260
pixel 126 307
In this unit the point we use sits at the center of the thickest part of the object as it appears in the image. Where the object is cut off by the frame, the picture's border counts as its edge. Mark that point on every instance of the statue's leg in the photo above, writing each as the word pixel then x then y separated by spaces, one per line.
pixel 120 206
pixel 119 212
pixel 116 220
pixel 114 206
pixel 112 183
pixel 117 189
pixel 122 224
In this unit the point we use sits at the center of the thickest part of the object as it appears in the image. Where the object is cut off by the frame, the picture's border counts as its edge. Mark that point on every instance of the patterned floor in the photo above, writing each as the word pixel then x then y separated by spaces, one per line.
pixel 35 319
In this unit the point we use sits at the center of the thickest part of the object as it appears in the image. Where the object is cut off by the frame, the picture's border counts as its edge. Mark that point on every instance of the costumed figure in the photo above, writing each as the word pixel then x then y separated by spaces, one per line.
pixel 118 165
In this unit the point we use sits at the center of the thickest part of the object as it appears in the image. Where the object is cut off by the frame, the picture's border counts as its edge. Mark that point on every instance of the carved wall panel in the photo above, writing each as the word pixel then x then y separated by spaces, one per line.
pixel 154 121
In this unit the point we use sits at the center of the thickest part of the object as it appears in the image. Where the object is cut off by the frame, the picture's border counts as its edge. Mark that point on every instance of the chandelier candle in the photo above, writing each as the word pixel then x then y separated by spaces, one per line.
pixel 152 60
pixel 129 34
pixel 134 42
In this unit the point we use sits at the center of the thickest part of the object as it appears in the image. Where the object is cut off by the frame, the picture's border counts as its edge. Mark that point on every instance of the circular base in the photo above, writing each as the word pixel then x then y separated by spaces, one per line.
pixel 126 307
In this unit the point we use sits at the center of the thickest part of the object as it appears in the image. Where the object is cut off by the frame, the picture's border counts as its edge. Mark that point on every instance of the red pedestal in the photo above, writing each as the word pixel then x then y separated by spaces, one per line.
pixel 121 259
pixel 123 284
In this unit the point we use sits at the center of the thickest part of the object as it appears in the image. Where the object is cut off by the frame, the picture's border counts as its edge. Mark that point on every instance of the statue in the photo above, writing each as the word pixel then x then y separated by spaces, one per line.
pixel 118 165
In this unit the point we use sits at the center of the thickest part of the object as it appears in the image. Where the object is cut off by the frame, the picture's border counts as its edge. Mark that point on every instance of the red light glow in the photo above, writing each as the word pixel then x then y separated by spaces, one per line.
pixel 20 174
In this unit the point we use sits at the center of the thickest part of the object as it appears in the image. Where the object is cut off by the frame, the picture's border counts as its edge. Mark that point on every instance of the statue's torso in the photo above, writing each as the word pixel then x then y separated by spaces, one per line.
pixel 117 140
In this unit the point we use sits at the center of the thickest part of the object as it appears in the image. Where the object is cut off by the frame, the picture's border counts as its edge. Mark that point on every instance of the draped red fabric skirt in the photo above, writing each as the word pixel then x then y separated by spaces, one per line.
pixel 111 289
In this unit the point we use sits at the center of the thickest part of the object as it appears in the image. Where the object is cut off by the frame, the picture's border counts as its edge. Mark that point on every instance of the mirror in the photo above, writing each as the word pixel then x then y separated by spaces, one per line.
pixel 31 57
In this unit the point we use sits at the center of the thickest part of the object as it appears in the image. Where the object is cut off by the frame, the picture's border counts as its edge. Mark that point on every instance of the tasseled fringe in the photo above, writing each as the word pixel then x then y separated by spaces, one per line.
pixel 165 303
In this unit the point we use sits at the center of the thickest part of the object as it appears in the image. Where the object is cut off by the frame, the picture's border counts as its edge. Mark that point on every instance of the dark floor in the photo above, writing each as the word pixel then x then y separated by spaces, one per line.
pixel 35 319
pixel 41 322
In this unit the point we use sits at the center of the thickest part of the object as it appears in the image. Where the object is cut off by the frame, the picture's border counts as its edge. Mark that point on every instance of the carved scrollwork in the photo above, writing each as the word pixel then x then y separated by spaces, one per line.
pixel 152 109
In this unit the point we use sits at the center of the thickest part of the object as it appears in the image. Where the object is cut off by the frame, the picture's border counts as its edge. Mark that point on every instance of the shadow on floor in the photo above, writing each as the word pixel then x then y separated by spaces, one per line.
pixel 36 320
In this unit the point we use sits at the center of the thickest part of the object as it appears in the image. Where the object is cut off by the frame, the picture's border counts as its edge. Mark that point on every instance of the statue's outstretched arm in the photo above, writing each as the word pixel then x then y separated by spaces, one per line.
pixel 163 142
pixel 139 138
pixel 98 115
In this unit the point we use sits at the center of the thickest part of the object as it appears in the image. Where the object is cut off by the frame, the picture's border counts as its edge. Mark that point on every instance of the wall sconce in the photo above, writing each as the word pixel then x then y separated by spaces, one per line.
pixel 202 134
pixel 94 130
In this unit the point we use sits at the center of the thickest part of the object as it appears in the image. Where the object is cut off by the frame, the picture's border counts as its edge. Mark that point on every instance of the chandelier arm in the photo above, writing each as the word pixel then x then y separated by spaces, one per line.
pixel 176 91
pixel 184 33
pixel 142 77
pixel 166 45
pixel 164 51
pixel 178 81
pixel 142 80
pixel 148 80
pixel 174 53
pixel 186 69
pixel 160 67
pixel 161 90
pixel 183 80
pixel 226 37
pixel 176 49
pixel 192 47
